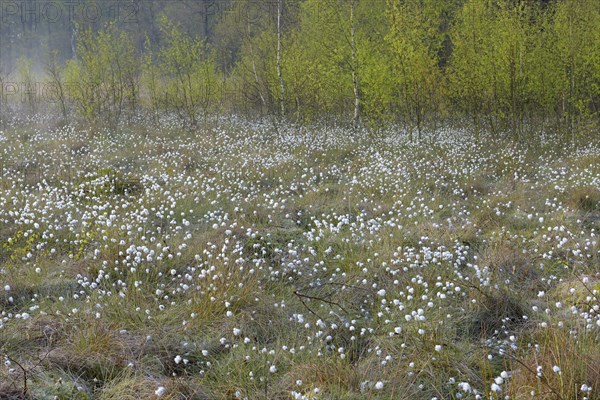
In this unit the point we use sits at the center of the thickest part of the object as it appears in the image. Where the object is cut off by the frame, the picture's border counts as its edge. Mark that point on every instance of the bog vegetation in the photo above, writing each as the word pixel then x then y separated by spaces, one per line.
pixel 305 200
pixel 296 263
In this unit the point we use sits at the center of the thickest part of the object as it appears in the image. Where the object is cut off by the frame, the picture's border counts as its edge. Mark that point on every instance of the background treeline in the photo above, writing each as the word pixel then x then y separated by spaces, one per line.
pixel 511 67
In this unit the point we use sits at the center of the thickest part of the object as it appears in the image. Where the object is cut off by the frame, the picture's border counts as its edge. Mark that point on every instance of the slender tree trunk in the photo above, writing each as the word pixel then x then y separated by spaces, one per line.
pixel 418 111
pixel 407 103
pixel 476 127
pixel 73 41
pixel 356 116
pixel 262 98
pixel 279 74
pixel 54 74
pixel 572 101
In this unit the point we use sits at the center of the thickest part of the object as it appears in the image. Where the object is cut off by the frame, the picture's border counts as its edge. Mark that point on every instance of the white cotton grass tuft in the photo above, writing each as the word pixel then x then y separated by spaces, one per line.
pixel 585 388
pixel 556 369
pixel 465 387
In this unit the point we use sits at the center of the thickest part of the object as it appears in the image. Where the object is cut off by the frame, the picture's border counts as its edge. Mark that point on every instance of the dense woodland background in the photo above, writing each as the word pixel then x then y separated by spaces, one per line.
pixel 522 68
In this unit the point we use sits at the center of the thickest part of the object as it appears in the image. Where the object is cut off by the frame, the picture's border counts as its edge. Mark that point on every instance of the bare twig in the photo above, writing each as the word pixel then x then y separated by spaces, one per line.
pixel 300 297
pixel 331 303
pixel 25 372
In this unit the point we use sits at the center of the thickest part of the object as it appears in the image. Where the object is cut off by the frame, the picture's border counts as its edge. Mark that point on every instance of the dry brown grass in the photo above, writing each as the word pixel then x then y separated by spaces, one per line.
pixel 578 359
pixel 585 199
pixel 506 261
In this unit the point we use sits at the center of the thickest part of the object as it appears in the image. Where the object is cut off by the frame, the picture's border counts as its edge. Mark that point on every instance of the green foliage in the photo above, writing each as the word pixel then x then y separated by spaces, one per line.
pixel 516 68
pixel 188 73
pixel 18 247
pixel 414 43
pixel 28 83
pixel 321 62
pixel 314 79
pixel 577 28
pixel 103 79
pixel 255 71
pixel 57 92
pixel 511 41
pixel 472 61
pixel 375 64
pixel 150 79
pixel 514 63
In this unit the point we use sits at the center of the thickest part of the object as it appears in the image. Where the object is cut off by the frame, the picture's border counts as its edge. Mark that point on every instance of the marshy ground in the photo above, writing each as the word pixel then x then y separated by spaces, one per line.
pixel 244 262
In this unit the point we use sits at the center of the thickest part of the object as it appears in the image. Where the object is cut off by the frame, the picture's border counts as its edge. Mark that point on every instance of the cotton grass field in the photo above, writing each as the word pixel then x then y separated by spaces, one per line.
pixel 241 261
